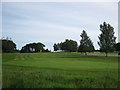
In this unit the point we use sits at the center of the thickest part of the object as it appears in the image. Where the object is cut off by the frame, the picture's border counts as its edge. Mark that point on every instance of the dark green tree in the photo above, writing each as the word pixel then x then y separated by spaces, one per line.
pixel 68 45
pixel 40 47
pixel 86 45
pixel 33 47
pixel 8 46
pixel 106 38
pixel 55 47
pixel 117 47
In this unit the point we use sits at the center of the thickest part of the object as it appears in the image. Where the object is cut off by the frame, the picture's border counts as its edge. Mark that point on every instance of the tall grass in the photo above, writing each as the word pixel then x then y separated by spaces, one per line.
pixel 59 70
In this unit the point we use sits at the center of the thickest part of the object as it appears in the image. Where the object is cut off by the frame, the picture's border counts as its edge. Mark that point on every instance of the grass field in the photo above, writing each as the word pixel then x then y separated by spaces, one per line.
pixel 58 70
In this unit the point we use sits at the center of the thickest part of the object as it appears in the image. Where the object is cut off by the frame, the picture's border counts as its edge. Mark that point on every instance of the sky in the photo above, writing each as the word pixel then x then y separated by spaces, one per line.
pixel 53 22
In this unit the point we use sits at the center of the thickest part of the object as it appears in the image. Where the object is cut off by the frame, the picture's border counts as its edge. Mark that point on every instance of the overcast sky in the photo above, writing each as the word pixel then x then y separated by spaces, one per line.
pixel 50 22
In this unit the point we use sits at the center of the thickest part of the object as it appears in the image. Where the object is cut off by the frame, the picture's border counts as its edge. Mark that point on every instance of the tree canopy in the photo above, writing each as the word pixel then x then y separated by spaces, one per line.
pixel 33 47
pixel 117 47
pixel 86 45
pixel 55 47
pixel 67 45
pixel 8 46
pixel 106 38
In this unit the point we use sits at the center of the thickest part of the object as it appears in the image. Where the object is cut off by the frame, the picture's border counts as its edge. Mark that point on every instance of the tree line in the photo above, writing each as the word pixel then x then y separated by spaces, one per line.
pixel 8 46
pixel 106 42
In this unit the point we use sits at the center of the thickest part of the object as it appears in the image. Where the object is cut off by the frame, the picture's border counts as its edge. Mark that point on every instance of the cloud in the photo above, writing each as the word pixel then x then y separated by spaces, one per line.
pixel 54 22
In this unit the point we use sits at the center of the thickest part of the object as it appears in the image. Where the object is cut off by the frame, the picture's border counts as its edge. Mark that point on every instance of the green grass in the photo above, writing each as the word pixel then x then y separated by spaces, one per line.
pixel 59 70
pixel 103 53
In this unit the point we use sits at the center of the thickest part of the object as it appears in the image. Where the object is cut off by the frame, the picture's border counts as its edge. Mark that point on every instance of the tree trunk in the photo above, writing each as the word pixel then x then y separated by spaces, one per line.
pixel 106 54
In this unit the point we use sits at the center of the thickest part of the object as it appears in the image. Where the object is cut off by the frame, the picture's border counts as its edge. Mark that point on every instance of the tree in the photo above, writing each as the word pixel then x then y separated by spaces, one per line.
pixel 86 44
pixel 107 38
pixel 67 45
pixel 55 47
pixel 117 47
pixel 8 46
pixel 32 47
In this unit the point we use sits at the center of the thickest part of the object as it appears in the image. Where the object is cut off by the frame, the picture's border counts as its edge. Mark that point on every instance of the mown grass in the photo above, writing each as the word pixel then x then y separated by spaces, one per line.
pixel 59 70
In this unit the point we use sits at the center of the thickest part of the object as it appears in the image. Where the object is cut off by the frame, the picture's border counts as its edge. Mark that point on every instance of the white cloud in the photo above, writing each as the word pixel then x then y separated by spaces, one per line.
pixel 52 23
